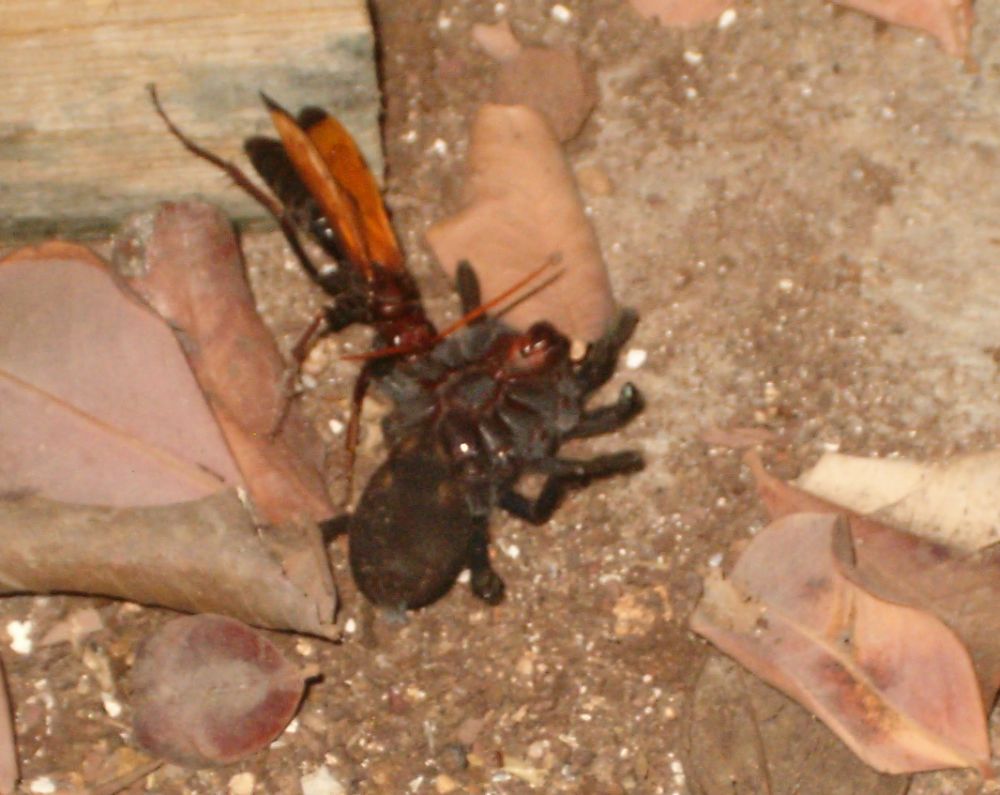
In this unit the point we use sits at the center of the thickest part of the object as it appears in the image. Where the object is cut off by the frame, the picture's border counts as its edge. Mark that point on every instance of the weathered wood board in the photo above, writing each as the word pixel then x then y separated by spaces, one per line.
pixel 80 145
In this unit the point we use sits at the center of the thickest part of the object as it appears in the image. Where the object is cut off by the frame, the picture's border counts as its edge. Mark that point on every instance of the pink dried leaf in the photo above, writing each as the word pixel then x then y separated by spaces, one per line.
pixel 959 588
pixel 948 21
pixel 894 683
pixel 10 771
pixel 203 555
pixel 524 210
pixel 187 264
pixel 681 13
pixel 209 690
pixel 100 405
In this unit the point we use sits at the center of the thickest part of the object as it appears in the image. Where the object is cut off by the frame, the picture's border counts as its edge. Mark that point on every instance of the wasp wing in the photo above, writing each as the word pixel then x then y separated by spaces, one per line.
pixel 335 203
pixel 347 165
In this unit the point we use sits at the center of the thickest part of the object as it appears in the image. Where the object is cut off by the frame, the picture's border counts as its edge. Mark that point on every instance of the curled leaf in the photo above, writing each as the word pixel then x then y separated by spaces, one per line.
pixel 199 556
pixel 186 263
pixel 524 210
pixel 948 21
pixel 681 13
pixel 864 665
pixel 952 501
pixel 208 690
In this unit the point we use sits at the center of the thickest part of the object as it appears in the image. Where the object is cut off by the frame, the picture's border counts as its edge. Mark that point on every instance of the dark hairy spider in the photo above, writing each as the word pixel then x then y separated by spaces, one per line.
pixel 470 416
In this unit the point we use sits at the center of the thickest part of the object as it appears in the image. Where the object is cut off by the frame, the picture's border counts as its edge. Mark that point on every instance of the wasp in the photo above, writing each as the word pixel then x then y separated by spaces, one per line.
pixel 473 408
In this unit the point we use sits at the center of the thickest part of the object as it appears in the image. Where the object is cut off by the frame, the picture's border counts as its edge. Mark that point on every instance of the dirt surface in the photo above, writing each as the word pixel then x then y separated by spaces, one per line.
pixel 804 208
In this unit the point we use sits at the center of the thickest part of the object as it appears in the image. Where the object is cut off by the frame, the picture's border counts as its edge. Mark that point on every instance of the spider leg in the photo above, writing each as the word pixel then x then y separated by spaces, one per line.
pixel 565 474
pixel 467 285
pixel 485 582
pixel 609 418
pixel 598 365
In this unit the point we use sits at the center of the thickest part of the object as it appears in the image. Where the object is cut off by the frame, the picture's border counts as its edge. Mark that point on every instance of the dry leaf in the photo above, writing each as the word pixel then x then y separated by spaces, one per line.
pixel 186 263
pixel 497 41
pixel 953 502
pixel 9 770
pixel 524 209
pixel 963 590
pixel 208 690
pixel 201 556
pixel 552 82
pixel 949 21
pixel 791 614
pixel 745 738
pixel 681 13
pixel 100 405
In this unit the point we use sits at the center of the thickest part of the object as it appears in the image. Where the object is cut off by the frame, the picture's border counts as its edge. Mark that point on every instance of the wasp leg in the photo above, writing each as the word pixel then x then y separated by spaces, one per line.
pixel 565 474
pixel 609 418
pixel 601 359
pixel 485 582
pixel 467 285
pixel 335 527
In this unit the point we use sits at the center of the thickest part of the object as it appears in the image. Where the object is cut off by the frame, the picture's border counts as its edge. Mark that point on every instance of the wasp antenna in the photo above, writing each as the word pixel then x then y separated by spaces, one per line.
pixel 550 261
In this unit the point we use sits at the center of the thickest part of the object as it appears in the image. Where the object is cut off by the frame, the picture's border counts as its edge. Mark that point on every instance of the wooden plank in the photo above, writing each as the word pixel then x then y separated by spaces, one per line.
pixel 80 146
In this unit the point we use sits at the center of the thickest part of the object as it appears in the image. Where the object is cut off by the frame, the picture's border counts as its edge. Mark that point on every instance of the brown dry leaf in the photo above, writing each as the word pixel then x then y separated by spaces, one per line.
pixel 951 501
pixel 553 82
pixel 949 21
pixel 186 263
pixel 962 589
pixel 208 690
pixel 746 738
pixel 524 209
pixel 10 771
pixel 200 556
pixel 681 13
pixel 791 614
pixel 100 406
pixel 497 41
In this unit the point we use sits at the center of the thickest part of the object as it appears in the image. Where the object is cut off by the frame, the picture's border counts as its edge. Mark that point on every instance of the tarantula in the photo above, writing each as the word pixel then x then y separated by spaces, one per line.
pixel 471 415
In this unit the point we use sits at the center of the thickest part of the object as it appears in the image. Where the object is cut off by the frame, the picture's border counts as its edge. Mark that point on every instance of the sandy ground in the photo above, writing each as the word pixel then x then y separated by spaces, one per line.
pixel 804 208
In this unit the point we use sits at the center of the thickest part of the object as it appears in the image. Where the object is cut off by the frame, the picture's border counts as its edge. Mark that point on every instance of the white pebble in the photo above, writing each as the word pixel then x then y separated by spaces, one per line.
pixel 336 426
pixel 242 784
pixel 513 551
pixel 440 146
pixel 350 626
pixel 321 782
pixel 716 560
pixel 42 784
pixel 785 285
pixel 444 22
pixel 635 358
pixel 20 636
pixel 111 705
pixel 727 18
pixel 561 14
pixel 465 577
pixel 693 57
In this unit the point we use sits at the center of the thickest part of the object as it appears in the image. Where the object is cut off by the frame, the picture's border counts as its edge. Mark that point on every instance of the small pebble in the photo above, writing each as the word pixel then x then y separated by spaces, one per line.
pixel 693 57
pixel 439 147
pixel 716 560
pixel 727 18
pixel 561 14
pixel 321 782
pixel 111 705
pixel 242 784
pixel 42 784
pixel 20 636
pixel 445 784
pixel 635 358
